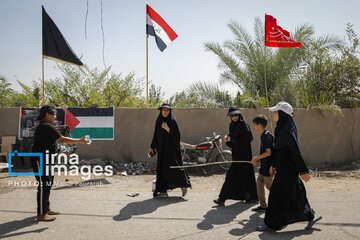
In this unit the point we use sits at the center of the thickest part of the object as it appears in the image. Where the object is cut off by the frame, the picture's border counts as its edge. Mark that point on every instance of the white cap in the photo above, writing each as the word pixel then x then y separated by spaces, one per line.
pixel 283 106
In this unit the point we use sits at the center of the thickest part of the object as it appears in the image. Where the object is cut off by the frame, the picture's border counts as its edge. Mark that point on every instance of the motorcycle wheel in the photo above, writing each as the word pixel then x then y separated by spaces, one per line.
pixel 227 157
pixel 187 158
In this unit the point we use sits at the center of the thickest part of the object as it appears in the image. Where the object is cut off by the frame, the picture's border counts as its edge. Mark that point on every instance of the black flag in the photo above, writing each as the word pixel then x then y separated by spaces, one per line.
pixel 55 46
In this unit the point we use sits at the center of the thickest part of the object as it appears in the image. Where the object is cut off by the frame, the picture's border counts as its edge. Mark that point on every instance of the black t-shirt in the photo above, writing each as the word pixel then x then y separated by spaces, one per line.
pixel 266 142
pixel 45 138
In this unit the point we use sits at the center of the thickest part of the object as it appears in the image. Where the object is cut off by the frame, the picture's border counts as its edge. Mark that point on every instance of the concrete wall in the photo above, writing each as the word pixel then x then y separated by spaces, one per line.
pixel 324 138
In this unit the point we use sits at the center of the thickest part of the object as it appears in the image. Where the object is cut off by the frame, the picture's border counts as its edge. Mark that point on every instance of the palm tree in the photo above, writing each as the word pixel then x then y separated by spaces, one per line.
pixel 5 91
pixel 242 60
pixel 202 94
pixel 210 95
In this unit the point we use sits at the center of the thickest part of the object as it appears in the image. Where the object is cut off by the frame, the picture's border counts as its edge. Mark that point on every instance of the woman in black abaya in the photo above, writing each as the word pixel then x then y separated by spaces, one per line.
pixel 240 181
pixel 166 142
pixel 287 199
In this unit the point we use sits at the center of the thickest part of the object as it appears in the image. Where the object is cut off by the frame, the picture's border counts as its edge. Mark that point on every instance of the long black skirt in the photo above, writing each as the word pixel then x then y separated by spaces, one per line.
pixel 240 183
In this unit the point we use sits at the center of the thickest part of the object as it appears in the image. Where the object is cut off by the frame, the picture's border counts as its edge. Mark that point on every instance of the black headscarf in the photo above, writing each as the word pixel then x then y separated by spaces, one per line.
pixel 170 120
pixel 159 132
pixel 285 132
pixel 164 142
pixel 240 127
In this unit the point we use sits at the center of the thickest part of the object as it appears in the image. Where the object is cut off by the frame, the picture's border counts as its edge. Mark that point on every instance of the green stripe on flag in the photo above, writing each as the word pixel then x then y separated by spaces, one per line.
pixel 95 133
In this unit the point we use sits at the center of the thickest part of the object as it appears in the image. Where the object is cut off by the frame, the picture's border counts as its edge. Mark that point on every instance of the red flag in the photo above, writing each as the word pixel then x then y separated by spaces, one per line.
pixel 71 120
pixel 275 36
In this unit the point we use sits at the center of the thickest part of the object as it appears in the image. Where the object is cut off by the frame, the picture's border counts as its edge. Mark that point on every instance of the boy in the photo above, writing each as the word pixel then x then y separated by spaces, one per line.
pixel 266 146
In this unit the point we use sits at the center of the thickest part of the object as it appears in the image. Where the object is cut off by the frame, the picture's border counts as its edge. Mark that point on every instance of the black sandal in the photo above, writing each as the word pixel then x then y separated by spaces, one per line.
pixel 219 202
pixel 312 222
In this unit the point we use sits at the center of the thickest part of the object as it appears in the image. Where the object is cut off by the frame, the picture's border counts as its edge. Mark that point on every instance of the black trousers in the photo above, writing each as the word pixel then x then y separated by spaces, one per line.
pixel 43 190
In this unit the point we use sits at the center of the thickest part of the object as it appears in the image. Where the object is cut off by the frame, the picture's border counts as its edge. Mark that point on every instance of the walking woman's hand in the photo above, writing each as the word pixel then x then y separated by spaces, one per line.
pixel 272 171
pixel 151 152
pixel 165 126
pixel 305 177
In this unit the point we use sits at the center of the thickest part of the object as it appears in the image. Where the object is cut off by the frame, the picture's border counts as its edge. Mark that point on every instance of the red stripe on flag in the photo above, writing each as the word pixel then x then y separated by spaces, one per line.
pixel 157 18
pixel 71 120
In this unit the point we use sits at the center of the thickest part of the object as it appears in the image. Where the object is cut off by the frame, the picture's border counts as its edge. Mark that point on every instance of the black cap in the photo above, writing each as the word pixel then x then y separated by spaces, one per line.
pixel 233 110
pixel 164 105
pixel 46 109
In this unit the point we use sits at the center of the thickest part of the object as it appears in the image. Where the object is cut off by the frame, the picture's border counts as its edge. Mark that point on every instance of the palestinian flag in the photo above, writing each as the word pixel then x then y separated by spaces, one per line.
pixel 96 122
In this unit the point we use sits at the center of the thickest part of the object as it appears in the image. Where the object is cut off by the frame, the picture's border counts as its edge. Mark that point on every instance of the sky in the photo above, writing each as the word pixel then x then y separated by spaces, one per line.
pixel 182 63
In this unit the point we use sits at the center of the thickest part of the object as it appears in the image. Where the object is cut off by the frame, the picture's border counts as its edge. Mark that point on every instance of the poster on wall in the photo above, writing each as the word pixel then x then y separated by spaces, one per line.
pixel 28 121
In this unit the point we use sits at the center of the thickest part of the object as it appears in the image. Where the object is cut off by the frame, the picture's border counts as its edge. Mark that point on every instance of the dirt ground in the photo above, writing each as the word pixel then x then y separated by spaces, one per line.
pixel 100 208
pixel 320 181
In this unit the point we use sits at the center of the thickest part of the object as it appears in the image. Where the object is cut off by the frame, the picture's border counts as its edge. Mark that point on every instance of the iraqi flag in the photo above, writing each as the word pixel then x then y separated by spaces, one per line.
pixel 157 27
pixel 96 122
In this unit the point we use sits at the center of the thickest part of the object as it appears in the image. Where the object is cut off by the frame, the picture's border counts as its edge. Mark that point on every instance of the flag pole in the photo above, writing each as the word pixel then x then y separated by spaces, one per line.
pixel 147 72
pixel 43 81
pixel 266 90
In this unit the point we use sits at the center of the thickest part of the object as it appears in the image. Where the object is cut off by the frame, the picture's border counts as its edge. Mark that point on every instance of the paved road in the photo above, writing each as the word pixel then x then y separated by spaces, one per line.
pixel 98 214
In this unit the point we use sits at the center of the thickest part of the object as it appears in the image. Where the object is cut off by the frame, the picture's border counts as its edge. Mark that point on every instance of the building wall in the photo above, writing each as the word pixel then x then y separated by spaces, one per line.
pixel 324 138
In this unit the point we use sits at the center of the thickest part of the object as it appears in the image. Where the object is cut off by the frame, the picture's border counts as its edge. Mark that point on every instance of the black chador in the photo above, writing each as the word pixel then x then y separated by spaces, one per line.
pixel 287 199
pixel 167 145
pixel 240 181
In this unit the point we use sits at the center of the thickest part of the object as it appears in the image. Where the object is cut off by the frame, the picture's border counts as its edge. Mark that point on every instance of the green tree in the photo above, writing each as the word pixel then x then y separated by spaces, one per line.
pixel 80 87
pixel 331 79
pixel 156 96
pixel 202 94
pixel 183 100
pixel 6 92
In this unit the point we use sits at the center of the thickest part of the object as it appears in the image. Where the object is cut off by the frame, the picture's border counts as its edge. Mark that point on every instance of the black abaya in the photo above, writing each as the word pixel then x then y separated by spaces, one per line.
pixel 240 181
pixel 287 199
pixel 167 145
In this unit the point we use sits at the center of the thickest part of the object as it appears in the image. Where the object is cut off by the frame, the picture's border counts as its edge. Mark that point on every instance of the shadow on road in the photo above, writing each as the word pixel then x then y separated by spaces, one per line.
pixel 16 225
pixel 248 225
pixel 287 235
pixel 222 215
pixel 145 207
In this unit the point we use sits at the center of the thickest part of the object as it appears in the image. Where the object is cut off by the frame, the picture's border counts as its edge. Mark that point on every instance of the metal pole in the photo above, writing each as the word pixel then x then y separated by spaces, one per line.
pixel 147 73
pixel 43 81
pixel 266 90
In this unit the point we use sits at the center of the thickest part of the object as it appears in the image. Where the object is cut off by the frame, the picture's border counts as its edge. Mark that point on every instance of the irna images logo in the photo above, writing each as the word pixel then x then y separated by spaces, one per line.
pixel 63 164
pixel 40 155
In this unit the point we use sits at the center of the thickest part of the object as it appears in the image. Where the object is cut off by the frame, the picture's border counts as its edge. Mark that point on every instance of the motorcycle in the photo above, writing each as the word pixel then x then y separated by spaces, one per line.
pixel 208 151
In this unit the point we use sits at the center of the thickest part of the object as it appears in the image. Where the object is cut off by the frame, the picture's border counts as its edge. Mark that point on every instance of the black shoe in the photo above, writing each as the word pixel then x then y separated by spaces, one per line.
pixel 155 194
pixel 251 201
pixel 263 228
pixel 219 202
pixel 259 209
pixel 312 222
